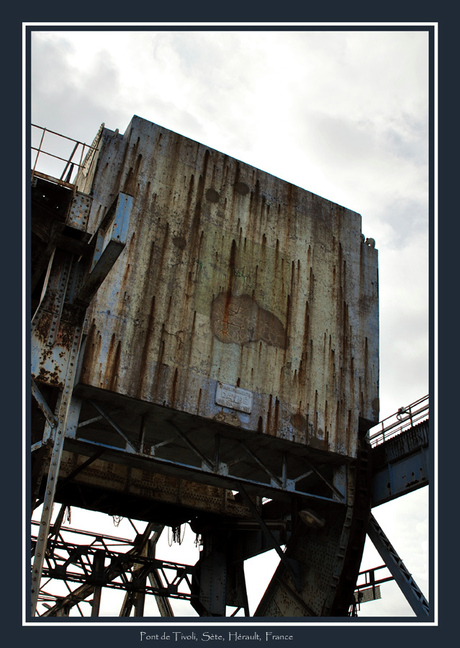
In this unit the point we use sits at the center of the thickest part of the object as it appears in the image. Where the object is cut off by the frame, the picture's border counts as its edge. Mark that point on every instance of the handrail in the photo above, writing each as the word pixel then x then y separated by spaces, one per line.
pixel 405 418
pixel 76 160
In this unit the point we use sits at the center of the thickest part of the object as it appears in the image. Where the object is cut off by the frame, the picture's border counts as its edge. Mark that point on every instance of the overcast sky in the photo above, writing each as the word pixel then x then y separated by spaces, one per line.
pixel 342 114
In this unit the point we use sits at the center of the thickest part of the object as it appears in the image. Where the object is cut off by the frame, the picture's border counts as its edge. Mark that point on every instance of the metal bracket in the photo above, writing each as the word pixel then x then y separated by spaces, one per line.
pixel 110 240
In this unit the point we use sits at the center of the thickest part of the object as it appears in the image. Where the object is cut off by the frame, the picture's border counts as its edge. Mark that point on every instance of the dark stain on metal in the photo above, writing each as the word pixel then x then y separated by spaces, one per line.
pixel 156 262
pixel 241 320
pixel 226 299
pixel 188 348
pixel 288 324
pixel 113 363
pixel 269 414
pixel 130 185
pixel 212 195
pixel 188 202
pixel 159 367
pixel 241 188
pixel 180 242
pixel 174 386
pixel 275 418
pixel 299 421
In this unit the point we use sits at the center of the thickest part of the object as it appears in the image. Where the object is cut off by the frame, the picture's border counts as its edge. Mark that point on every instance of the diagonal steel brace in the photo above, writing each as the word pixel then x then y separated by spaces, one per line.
pixel 292 565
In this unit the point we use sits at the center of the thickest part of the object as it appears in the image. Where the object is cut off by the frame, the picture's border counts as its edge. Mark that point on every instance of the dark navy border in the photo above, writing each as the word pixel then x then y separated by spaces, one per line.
pixel 447 344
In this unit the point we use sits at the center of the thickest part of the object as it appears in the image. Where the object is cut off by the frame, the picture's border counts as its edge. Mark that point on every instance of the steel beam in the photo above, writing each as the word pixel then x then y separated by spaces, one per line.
pixel 293 566
pixel 43 405
pixel 164 606
pixel 98 570
pixel 210 577
pixel 398 570
pixel 193 472
pixel 53 474
pixel 400 477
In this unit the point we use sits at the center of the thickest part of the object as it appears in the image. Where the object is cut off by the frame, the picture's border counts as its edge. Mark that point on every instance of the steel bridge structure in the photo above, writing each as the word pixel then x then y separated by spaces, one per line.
pixel 242 494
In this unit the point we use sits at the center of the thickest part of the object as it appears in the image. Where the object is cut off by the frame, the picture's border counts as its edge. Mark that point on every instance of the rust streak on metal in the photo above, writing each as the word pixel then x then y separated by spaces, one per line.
pixel 231 274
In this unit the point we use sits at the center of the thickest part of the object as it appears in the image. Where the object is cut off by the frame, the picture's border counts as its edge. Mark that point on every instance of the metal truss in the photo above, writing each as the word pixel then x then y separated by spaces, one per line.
pixel 93 561
pixel 137 572
pixel 267 466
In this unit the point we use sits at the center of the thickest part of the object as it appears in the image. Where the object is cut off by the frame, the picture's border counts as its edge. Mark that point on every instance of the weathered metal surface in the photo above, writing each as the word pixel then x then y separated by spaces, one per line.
pixel 232 276
pixel 232 345
pixel 80 207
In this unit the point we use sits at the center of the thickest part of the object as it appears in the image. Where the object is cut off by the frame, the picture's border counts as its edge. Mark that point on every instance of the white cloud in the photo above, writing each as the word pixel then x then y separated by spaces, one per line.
pixel 403 277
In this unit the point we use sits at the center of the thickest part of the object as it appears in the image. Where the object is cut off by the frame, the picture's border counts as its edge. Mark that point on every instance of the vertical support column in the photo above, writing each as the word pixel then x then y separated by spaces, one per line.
pixel 236 594
pixel 164 606
pixel 211 575
pixel 98 571
pixel 56 455
pixel 140 603
pixel 293 566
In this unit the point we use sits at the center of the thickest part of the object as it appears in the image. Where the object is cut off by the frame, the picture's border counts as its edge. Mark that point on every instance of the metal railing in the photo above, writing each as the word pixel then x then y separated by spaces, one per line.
pixel 403 419
pixel 54 152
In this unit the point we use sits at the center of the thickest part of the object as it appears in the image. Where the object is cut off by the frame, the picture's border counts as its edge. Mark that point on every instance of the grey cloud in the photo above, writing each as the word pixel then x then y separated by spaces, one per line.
pixel 407 217
pixel 70 102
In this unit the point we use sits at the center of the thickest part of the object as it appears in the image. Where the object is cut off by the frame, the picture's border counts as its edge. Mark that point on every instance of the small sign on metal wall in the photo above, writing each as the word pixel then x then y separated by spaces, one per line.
pixel 234 397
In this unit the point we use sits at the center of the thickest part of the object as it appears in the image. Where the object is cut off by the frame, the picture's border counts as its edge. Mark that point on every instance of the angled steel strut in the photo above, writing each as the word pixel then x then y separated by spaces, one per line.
pixel 399 571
